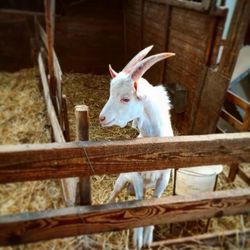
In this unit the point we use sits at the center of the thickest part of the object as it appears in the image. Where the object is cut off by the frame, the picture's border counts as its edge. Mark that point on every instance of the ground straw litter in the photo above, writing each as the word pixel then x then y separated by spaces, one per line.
pixel 23 120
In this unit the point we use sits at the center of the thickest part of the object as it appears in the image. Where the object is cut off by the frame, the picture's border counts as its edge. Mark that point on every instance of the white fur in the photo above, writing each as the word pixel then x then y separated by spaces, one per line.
pixel 148 108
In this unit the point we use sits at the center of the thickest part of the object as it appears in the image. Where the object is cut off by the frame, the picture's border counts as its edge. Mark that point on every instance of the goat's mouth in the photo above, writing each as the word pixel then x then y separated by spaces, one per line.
pixel 107 124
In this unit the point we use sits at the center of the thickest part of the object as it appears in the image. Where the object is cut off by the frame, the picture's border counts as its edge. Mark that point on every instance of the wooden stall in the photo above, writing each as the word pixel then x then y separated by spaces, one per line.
pixel 87 37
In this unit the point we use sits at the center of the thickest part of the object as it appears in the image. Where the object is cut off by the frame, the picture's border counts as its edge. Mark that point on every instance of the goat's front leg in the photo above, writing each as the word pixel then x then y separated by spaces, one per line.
pixel 137 181
pixel 161 183
pixel 118 187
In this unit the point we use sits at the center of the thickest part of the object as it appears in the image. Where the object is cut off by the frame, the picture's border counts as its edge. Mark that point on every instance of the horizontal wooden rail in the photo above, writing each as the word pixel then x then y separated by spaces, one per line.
pixel 237 100
pixel 61 160
pixel 244 176
pixel 212 239
pixel 186 4
pixel 21 12
pixel 233 121
pixel 36 226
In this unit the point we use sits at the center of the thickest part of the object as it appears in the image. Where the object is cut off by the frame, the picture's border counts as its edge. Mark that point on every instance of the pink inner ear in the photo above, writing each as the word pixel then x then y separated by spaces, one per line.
pixel 135 86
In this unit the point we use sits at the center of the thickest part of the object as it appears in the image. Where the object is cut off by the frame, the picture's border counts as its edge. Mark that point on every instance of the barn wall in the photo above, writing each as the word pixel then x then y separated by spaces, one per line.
pixel 15 42
pixel 88 35
pixel 193 34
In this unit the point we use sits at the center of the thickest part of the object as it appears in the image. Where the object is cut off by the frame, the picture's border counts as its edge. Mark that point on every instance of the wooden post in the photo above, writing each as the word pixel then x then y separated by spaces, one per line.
pixel 49 16
pixel 82 134
pixel 233 171
pixel 65 119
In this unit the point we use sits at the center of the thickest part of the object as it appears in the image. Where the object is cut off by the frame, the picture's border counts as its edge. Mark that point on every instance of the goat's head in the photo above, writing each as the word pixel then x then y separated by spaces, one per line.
pixel 128 90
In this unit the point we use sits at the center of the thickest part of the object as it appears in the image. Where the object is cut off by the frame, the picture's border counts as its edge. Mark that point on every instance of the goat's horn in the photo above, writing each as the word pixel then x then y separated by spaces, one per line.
pixel 142 66
pixel 136 59
pixel 112 72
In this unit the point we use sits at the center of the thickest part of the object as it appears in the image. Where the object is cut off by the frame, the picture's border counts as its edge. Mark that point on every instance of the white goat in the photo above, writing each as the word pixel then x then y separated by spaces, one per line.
pixel 132 98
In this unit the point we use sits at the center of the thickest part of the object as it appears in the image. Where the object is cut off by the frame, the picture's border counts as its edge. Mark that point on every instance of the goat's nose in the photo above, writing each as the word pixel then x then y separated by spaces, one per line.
pixel 102 118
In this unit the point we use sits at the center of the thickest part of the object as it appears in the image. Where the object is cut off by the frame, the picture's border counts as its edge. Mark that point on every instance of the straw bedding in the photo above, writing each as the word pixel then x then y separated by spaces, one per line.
pixel 23 120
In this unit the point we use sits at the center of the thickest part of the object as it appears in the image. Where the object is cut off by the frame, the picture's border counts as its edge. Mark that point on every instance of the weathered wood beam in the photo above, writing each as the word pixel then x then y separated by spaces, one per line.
pixel 197 6
pixel 237 100
pixel 49 16
pixel 212 239
pixel 56 68
pixel 235 38
pixel 68 185
pixel 233 121
pixel 82 134
pixel 61 160
pixel 31 227
pixel 21 12
pixel 244 176
pixel 50 108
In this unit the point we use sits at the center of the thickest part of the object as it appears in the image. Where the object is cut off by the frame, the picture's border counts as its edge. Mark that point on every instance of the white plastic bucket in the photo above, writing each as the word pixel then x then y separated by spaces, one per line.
pixel 196 179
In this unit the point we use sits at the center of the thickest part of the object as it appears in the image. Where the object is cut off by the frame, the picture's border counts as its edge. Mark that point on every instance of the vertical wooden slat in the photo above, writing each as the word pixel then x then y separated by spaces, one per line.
pixel 65 119
pixel 48 4
pixel 234 168
pixel 82 134
pixel 235 39
pixel 166 38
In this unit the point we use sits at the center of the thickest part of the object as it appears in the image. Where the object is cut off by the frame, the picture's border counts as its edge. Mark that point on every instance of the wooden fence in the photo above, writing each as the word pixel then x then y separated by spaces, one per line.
pixel 63 159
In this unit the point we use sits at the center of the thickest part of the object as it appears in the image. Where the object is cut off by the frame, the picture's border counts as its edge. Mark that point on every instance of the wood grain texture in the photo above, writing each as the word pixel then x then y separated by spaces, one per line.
pixel 213 92
pixel 202 6
pixel 15 41
pixel 61 160
pixel 211 239
pixel 68 185
pixel 31 227
pixel 82 134
pixel 236 36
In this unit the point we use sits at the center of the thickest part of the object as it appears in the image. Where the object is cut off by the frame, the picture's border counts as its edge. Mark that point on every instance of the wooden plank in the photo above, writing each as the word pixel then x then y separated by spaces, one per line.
pixel 234 168
pixel 134 27
pixel 21 12
pixel 231 119
pixel 203 6
pixel 48 5
pixel 244 176
pixel 235 39
pixel 210 102
pixel 56 69
pixel 31 227
pixel 15 30
pixel 237 100
pixel 68 185
pixel 61 160
pixel 154 32
pixel 96 40
pixel 50 108
pixel 211 239
pixel 82 134
pixel 66 131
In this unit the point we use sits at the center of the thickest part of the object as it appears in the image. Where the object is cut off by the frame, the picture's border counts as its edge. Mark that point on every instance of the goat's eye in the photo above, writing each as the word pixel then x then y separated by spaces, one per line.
pixel 125 100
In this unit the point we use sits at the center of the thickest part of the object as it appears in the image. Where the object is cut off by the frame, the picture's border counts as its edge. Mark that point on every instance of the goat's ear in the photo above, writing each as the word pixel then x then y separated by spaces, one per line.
pixel 140 93
pixel 112 72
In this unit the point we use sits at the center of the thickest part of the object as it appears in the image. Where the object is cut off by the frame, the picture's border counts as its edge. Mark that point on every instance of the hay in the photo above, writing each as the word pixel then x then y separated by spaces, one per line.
pixel 23 120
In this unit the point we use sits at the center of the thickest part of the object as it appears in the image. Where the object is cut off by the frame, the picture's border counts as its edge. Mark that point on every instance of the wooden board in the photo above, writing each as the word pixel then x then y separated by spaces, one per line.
pixel 61 160
pixel 15 42
pixel 31 227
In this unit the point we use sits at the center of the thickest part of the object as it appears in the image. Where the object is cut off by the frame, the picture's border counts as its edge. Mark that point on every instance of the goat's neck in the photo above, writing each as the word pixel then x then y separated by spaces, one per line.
pixel 155 119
